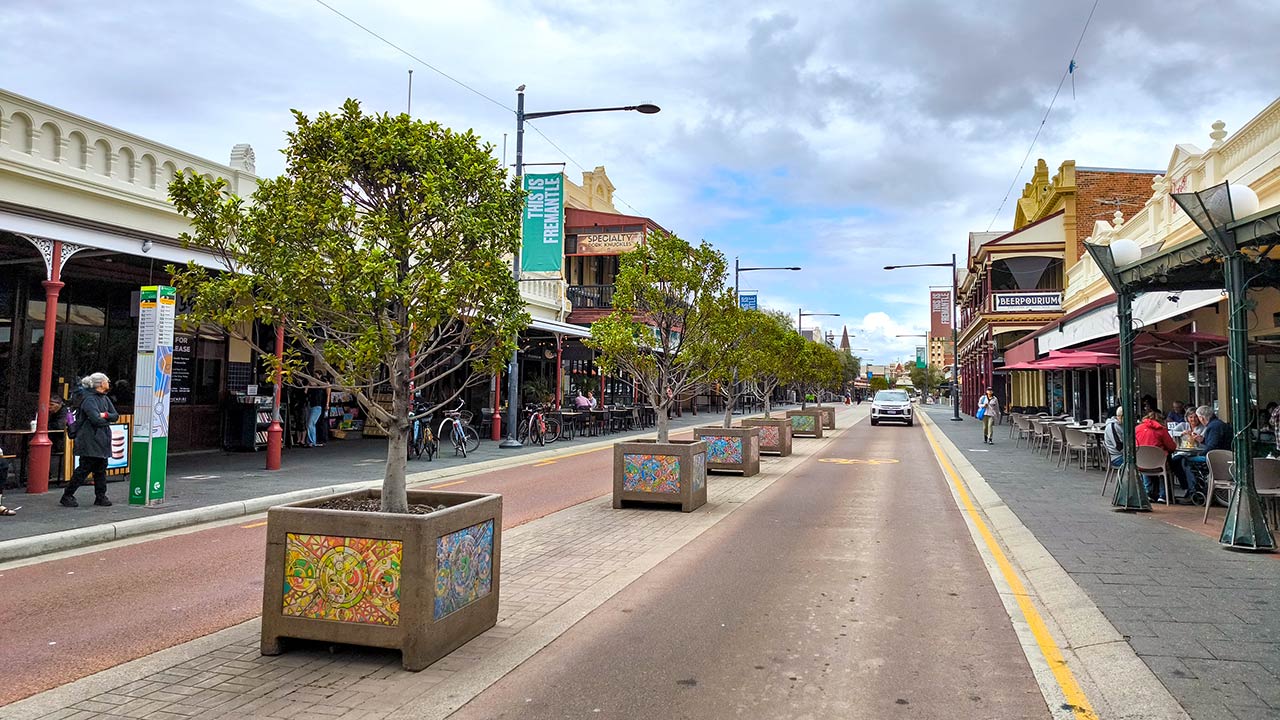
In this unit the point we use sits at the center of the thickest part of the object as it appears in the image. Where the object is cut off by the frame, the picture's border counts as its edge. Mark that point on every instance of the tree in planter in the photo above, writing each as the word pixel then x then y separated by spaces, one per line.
pixel 850 369
pixel 777 345
pixel 818 368
pixel 666 298
pixel 878 383
pixel 383 250
pixel 731 354
pixel 928 378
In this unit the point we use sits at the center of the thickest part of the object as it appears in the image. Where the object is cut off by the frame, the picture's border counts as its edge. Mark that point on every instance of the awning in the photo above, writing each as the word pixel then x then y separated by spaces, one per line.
pixel 1148 309
pixel 560 328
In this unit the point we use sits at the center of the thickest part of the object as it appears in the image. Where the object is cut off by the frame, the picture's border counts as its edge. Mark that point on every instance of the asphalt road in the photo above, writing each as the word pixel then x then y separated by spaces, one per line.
pixel 66 619
pixel 845 590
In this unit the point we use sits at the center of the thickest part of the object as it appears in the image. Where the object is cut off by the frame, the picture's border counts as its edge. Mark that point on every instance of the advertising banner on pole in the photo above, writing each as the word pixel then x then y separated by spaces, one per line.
pixel 542 226
pixel 153 387
pixel 940 313
pixel 921 358
pixel 747 301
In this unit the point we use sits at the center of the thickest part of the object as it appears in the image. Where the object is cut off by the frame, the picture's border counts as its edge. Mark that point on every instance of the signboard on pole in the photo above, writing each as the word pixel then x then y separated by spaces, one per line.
pixel 153 387
pixel 747 301
pixel 542 226
pixel 921 360
pixel 939 312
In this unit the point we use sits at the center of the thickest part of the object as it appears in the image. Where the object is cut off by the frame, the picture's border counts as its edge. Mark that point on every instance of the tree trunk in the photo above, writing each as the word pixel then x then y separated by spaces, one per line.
pixel 767 404
pixel 730 400
pixel 394 496
pixel 662 421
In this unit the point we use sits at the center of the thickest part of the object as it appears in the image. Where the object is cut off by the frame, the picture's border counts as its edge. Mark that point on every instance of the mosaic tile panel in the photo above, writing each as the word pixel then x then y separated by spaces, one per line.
pixel 355 580
pixel 464 567
pixel 769 436
pixel 699 471
pixel 650 473
pixel 723 449
pixel 804 423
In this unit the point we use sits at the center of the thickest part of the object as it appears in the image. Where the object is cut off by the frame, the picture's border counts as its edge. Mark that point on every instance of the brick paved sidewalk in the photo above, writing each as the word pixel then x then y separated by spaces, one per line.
pixel 1204 619
pixel 555 570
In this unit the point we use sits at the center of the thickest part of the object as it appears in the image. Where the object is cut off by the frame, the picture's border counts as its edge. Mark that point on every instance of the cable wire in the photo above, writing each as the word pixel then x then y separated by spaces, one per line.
pixel 1044 119
pixel 410 55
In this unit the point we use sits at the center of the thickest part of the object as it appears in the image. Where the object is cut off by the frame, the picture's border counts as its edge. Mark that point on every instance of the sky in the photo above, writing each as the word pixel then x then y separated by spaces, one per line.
pixel 837 136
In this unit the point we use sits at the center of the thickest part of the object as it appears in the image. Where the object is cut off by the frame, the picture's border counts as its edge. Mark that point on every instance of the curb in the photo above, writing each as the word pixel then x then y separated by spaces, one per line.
pixel 60 540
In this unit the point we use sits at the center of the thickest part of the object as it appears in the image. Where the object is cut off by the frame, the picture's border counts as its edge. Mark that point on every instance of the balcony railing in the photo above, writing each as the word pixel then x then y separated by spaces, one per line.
pixel 590 296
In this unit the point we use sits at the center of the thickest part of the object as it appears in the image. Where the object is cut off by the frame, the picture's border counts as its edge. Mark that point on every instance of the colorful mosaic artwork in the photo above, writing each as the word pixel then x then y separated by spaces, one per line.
pixel 769 436
pixel 699 471
pixel 650 473
pixel 803 423
pixel 354 580
pixel 723 449
pixel 464 567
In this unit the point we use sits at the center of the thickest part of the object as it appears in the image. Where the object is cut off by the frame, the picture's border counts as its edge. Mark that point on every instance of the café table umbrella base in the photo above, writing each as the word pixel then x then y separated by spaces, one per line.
pixel 1129 494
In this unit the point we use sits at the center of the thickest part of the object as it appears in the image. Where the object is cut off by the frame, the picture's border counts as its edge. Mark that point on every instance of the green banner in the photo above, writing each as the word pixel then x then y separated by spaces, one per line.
pixel 152 387
pixel 542 237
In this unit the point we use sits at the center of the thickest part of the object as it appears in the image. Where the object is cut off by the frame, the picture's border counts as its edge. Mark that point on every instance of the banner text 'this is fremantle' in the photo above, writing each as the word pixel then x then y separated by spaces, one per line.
pixel 544 193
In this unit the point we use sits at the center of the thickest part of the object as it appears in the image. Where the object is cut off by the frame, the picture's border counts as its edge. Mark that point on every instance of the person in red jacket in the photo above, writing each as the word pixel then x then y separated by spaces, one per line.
pixel 1151 432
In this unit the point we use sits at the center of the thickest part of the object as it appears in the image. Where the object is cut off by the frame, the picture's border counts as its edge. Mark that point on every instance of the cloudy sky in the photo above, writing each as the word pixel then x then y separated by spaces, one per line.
pixel 837 136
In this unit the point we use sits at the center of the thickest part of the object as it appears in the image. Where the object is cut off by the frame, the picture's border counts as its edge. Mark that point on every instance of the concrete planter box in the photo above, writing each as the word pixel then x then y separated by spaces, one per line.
pixel 425 584
pixel 735 449
pixel 775 434
pixel 828 416
pixel 648 471
pixel 805 423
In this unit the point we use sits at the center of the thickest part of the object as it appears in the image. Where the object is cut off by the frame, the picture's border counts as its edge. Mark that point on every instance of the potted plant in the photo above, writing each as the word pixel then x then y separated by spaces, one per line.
pixel 666 294
pixel 774 365
pixel 382 252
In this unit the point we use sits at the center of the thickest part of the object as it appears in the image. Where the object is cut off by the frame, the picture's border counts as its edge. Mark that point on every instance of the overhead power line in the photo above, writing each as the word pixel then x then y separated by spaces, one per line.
pixel 1071 66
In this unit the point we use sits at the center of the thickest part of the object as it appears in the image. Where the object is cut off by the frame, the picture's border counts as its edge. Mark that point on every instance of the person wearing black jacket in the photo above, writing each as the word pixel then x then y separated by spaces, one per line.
pixel 93 440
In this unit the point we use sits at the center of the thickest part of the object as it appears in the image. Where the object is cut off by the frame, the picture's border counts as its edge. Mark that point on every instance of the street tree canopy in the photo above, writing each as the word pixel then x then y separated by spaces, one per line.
pixel 383 249
pixel 666 297
pixel 778 348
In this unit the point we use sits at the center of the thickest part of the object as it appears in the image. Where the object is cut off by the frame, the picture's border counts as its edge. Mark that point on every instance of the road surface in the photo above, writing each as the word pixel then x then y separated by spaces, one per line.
pixel 849 589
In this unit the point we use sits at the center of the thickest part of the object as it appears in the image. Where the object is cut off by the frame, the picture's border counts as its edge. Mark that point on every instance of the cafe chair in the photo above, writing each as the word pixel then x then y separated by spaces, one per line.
pixel 1077 444
pixel 1022 427
pixel 1219 478
pixel 1154 462
pixel 1266 479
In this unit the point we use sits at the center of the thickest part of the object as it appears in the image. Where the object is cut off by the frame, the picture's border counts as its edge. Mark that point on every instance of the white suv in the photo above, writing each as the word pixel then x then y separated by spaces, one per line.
pixel 892 406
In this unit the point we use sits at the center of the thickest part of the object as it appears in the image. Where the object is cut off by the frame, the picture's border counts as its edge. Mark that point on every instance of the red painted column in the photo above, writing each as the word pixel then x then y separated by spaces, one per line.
pixel 495 433
pixel 559 371
pixel 39 450
pixel 275 433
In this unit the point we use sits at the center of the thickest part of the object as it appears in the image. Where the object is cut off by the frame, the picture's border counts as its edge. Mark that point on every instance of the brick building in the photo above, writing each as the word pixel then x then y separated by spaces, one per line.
pixel 1014 281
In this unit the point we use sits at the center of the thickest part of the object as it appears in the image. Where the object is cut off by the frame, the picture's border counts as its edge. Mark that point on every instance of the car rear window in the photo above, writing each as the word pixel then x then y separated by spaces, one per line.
pixel 891 396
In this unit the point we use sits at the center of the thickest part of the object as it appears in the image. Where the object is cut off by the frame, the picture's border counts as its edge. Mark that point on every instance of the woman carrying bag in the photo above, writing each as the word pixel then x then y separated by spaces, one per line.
pixel 989 414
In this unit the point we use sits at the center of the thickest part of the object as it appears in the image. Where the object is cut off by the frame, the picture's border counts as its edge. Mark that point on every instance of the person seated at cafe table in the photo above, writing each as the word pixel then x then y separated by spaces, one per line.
pixel 1189 447
pixel 1113 437
pixel 581 402
pixel 1151 432
pixel 1215 435
pixel 1177 413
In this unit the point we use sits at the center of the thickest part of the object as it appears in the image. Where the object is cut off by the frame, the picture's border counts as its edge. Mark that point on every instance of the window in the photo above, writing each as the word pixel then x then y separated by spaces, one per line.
pixel 1026 273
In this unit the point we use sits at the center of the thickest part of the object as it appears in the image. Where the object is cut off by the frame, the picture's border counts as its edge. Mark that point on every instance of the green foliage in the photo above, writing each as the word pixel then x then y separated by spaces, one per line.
pixel 384 251
pixel 819 368
pixel 667 297
pixel 930 377
pixel 778 346
pixel 879 382
pixel 850 367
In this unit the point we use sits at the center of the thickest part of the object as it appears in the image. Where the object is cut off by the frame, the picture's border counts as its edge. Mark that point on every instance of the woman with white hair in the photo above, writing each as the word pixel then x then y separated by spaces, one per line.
pixel 92 434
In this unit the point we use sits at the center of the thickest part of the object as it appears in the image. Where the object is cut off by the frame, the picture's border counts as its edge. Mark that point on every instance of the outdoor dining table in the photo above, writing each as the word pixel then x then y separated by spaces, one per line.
pixel 569 421
pixel 1095 433
pixel 599 422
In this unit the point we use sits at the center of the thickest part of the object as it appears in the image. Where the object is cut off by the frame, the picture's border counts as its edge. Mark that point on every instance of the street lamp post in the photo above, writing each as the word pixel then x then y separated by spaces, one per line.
pixel 513 367
pixel 801 315
pixel 955 330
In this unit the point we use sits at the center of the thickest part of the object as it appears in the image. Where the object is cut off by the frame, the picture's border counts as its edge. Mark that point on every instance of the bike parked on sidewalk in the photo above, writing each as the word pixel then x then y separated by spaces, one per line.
pixel 539 428
pixel 421 438
pixel 457 427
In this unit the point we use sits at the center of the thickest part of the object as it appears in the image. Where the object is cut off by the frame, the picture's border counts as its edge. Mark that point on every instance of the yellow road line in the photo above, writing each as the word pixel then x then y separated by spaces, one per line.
pixel 253 525
pixel 558 458
pixel 1048 647
pixel 448 484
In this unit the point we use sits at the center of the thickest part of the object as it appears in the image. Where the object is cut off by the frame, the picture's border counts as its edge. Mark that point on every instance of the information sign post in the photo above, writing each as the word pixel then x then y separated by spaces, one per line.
pixel 154 383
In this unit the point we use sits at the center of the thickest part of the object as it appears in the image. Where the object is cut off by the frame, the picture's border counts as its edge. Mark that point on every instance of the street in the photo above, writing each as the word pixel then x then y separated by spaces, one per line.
pixel 72 617
pixel 850 588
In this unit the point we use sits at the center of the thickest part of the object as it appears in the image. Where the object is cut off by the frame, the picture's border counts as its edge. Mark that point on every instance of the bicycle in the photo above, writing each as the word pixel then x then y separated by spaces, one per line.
pixel 421 439
pixel 539 428
pixel 463 437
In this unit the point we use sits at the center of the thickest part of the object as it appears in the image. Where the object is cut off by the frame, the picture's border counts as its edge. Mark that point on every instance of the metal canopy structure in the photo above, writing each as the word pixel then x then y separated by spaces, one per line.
pixel 1231 253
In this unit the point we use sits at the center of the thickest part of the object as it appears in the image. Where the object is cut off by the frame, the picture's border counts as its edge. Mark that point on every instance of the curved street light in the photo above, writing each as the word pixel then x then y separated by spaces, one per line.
pixel 513 366
pixel 955 330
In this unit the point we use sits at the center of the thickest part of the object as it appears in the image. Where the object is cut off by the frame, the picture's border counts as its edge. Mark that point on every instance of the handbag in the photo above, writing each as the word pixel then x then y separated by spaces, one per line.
pixel 982 412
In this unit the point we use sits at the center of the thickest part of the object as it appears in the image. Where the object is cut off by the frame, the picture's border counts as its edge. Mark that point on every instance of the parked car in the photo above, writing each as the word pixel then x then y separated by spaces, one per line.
pixel 892 406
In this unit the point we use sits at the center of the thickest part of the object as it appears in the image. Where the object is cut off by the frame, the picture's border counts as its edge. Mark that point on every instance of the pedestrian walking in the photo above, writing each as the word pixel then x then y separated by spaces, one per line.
pixel 92 433
pixel 989 414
